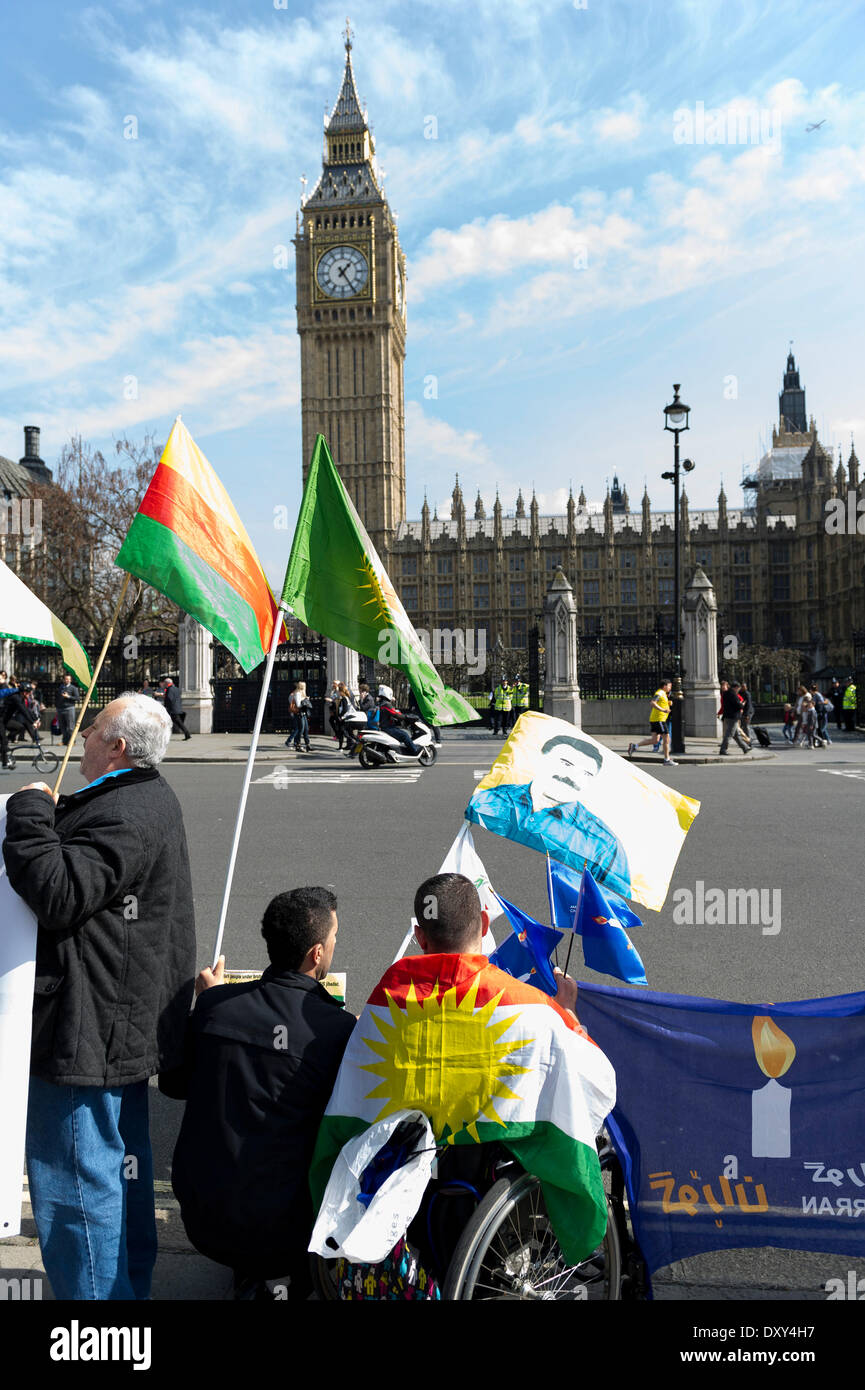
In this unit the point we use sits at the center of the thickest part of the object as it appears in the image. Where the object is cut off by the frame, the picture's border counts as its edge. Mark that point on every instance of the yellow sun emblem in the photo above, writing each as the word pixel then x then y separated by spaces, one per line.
pixel 383 596
pixel 444 1059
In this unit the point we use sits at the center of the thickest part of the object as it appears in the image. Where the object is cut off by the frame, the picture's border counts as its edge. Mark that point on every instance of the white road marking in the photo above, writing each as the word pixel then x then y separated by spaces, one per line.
pixel 292 779
pixel 835 772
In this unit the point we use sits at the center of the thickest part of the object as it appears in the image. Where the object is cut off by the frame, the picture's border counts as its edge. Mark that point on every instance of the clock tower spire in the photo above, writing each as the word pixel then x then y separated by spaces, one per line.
pixel 351 319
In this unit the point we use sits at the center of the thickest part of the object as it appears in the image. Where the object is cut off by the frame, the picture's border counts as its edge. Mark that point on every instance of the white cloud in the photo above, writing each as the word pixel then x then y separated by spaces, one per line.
pixel 433 447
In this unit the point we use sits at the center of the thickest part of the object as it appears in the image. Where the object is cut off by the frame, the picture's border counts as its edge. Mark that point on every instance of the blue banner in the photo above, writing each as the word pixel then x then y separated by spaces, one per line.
pixel 736 1124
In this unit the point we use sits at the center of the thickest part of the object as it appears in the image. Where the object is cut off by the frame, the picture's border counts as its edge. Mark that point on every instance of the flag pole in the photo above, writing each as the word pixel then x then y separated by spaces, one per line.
pixel 97 668
pixel 281 610
pixel 576 919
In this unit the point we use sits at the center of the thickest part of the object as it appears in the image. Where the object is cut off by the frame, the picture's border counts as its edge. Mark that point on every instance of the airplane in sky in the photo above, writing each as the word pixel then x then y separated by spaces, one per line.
pixel 816 125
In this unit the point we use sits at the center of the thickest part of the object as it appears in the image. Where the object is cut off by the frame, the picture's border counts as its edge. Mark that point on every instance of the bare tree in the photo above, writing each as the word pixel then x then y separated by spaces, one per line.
pixel 86 513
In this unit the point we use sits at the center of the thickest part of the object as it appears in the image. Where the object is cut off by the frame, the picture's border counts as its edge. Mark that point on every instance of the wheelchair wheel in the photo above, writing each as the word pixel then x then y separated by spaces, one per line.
pixel 509 1251
pixel 45 761
pixel 324 1283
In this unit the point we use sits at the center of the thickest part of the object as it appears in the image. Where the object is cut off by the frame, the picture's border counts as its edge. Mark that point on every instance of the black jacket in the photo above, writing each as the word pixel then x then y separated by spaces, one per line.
pixel 260 1066
pixel 731 705
pixel 107 874
pixel 173 702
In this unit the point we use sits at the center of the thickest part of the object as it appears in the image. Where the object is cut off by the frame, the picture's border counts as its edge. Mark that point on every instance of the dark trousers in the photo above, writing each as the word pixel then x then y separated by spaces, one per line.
pixel 178 725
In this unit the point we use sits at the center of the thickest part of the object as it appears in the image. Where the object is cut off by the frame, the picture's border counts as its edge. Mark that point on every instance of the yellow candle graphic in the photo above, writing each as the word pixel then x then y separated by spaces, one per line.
pixel 770 1105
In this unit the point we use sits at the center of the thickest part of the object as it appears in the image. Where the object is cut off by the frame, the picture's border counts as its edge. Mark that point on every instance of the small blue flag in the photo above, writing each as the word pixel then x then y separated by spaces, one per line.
pixel 600 918
pixel 526 953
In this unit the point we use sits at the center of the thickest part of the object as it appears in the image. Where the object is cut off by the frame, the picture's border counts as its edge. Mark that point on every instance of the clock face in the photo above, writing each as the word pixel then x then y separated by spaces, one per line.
pixel 342 272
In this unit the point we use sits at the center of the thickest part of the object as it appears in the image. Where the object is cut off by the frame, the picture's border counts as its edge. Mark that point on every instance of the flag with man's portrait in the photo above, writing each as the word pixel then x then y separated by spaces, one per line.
pixel 557 790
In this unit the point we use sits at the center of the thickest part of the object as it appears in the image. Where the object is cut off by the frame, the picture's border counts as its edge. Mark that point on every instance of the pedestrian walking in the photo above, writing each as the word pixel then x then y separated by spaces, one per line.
pixel 747 712
pixel 659 723
pixel 299 709
pixel 789 730
pixel 819 703
pixel 331 701
pixel 173 705
pixel 346 703
pixel 730 713
pixel 807 724
pixel 68 696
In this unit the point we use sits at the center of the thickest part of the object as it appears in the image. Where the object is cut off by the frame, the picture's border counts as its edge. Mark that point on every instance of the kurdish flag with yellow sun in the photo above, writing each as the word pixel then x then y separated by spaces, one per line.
pixel 337 585
pixel 485 1057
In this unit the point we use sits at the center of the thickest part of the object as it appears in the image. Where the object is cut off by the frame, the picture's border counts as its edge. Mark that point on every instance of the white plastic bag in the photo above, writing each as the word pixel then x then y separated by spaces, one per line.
pixel 367 1234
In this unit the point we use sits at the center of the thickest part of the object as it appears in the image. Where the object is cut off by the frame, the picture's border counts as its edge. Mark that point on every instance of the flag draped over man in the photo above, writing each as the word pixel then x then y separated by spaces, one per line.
pixel 25 618
pixel 337 585
pixel 555 789
pixel 188 542
pixel 485 1057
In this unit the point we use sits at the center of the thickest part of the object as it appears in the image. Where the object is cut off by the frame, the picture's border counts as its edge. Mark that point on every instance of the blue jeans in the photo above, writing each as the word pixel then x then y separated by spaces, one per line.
pixel 300 729
pixel 92 1204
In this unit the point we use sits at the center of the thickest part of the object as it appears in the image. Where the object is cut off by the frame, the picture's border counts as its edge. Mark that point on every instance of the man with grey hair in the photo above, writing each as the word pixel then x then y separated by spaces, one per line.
pixel 106 871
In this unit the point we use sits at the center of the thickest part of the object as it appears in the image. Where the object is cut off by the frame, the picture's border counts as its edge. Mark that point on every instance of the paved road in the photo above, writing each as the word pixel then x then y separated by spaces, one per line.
pixel 792 823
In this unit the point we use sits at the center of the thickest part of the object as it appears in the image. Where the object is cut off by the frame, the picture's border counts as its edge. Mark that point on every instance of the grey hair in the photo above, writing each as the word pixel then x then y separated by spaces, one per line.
pixel 145 725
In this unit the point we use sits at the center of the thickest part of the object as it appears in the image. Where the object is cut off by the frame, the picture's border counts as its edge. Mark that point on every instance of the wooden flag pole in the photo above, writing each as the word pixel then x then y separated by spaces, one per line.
pixel 282 609
pixel 97 668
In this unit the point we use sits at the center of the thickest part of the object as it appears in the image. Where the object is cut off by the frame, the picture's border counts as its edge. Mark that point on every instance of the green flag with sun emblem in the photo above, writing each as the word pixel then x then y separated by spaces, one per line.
pixel 338 586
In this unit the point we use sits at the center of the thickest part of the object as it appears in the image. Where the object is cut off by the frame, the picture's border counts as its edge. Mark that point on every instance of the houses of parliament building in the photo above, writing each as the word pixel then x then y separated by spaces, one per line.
pixel 780 578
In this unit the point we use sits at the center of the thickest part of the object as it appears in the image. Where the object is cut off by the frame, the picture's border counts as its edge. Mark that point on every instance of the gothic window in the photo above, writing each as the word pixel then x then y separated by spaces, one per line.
pixel 446 596
pixel 591 592
pixel 742 588
pixel 665 559
pixel 590 559
pixel 409 596
pixel 481 595
pixel 627 560
pixel 517 563
pixel 702 557
pixel 742 555
pixel 781 587
pixel 481 564
pixel 628 626
pixel 409 564
pixel 329 374
pixel 665 590
pixel 552 559
pixel 629 591
pixel 519 633
pixel 781 553
pixel 444 564
pixel 518 595
pixel 744 628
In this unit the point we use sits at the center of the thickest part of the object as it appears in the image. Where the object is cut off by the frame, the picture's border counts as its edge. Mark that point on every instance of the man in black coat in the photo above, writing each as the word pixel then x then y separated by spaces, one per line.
pixel 260 1065
pixel 106 871
pixel 171 696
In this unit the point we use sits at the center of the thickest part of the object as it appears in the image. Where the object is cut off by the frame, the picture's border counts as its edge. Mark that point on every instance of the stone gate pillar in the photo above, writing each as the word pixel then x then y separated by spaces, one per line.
pixel 700 658
pixel 6 656
pixel 561 684
pixel 195 667
pixel 341 665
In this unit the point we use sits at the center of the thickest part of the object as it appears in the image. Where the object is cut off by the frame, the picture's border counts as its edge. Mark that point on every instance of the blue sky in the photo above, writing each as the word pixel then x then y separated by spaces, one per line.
pixel 568 256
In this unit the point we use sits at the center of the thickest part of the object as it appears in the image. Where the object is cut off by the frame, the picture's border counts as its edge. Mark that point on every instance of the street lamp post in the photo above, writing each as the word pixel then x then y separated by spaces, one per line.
pixel 676 421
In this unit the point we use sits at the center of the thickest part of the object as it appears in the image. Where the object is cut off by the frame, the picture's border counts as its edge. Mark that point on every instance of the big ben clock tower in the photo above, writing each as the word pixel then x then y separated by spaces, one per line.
pixel 351 320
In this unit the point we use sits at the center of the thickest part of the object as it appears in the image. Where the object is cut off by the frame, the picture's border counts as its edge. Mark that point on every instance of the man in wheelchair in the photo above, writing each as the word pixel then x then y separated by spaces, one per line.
pixel 505 1076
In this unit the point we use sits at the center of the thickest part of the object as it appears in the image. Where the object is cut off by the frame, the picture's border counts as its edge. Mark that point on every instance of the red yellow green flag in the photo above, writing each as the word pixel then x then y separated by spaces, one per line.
pixel 187 541
pixel 485 1057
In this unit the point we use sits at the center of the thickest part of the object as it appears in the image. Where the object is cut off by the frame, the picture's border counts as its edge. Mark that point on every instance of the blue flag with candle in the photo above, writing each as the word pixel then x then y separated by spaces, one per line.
pixel 736 1124
pixel 526 953
pixel 599 917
